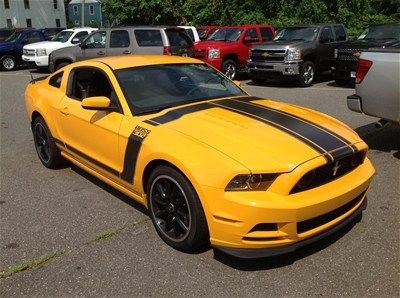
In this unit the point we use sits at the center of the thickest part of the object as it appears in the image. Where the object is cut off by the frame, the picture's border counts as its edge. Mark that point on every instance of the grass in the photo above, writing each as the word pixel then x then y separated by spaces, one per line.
pixel 107 234
pixel 30 264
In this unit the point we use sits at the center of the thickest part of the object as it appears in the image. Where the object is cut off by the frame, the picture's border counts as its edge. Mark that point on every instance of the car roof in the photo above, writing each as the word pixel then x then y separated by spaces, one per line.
pixel 128 61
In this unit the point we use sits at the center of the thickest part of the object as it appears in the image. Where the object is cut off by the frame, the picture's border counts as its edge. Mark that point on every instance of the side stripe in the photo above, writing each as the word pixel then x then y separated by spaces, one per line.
pixel 131 156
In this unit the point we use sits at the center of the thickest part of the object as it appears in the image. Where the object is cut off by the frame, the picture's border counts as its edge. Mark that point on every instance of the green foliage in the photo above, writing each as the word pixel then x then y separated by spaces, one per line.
pixel 355 14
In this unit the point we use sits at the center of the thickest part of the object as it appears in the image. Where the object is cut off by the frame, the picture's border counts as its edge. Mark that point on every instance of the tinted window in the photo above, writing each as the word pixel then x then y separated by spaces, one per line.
pixel 340 33
pixel 96 40
pixel 189 32
pixel 62 36
pixel 327 34
pixel 390 31
pixel 148 38
pixel 81 35
pixel 34 37
pixel 297 33
pixel 266 34
pixel 253 34
pixel 178 38
pixel 119 39
pixel 226 34
pixel 55 80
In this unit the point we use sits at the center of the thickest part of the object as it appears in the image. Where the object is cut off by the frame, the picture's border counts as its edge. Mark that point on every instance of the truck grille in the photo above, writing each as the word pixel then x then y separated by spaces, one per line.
pixel 329 172
pixel 29 52
pixel 268 55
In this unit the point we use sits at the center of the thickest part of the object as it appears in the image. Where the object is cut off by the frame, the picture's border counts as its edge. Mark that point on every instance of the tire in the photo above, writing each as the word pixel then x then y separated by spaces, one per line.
pixel 229 68
pixel 175 210
pixel 8 63
pixel 342 82
pixel 46 148
pixel 61 65
pixel 307 74
pixel 258 81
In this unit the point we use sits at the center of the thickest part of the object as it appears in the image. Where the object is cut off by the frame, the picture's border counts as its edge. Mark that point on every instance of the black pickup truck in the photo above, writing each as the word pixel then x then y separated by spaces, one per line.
pixel 297 52
pixel 346 54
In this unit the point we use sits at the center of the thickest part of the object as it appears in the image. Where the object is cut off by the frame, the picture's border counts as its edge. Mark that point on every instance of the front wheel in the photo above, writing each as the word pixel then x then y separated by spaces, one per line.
pixel 229 68
pixel 175 210
pixel 8 63
pixel 307 74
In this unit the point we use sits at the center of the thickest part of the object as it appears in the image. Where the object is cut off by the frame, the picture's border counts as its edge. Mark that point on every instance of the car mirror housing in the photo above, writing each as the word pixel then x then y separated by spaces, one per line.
pixel 83 45
pixel 75 40
pixel 97 103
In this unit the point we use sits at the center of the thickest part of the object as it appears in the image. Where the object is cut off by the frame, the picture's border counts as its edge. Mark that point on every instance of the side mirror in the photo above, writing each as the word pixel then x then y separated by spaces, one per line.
pixel 75 40
pixel 237 83
pixel 247 39
pixel 83 46
pixel 97 103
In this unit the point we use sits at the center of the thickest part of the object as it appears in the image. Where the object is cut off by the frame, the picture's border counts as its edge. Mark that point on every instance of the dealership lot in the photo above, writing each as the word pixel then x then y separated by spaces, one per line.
pixel 104 243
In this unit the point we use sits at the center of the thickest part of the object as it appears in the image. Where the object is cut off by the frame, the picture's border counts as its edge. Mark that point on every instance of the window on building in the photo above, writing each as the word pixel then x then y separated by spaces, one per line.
pixel 55 4
pixel 6 4
pixel 76 22
pixel 26 3
pixel 75 9
pixel 9 23
pixel 28 23
pixel 58 23
pixel 91 9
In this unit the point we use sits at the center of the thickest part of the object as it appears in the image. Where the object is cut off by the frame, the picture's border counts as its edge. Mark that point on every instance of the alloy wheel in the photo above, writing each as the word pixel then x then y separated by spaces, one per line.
pixel 308 75
pixel 8 63
pixel 42 143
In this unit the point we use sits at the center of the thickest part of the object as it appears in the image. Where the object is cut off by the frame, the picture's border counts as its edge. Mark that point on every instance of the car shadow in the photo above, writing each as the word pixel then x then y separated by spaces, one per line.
pixel 286 259
pixel 292 83
pixel 347 86
pixel 385 139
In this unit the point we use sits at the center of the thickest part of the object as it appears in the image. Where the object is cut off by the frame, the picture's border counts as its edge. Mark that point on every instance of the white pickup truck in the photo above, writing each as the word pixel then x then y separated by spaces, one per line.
pixel 378 85
pixel 37 54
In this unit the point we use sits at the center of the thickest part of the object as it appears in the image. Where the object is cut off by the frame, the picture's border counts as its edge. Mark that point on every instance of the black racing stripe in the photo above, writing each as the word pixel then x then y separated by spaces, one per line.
pixel 93 161
pixel 316 135
pixel 131 155
pixel 342 152
pixel 179 112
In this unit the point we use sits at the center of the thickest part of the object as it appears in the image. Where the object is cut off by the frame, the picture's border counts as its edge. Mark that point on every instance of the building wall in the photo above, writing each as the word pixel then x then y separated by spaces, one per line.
pixel 75 14
pixel 41 13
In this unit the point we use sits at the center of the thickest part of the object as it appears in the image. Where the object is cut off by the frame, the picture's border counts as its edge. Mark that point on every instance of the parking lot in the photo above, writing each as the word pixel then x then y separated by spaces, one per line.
pixel 100 242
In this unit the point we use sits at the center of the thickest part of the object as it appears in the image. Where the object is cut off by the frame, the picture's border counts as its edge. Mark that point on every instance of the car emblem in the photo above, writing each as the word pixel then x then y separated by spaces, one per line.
pixel 357 54
pixel 336 168
pixel 265 54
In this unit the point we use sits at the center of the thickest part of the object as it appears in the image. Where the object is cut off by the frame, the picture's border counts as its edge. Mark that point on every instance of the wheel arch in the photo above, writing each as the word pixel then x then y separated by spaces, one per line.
pixel 61 60
pixel 231 56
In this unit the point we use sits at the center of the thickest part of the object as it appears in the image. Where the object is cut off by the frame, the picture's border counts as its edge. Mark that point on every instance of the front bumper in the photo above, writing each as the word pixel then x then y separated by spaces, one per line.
pixel 260 69
pixel 253 224
pixel 42 61
pixel 354 103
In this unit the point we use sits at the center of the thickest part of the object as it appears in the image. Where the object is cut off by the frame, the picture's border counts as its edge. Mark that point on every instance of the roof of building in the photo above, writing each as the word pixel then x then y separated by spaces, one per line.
pixel 86 1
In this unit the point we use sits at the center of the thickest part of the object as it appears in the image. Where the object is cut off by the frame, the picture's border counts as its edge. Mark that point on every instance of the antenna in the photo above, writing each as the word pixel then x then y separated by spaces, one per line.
pixel 32 79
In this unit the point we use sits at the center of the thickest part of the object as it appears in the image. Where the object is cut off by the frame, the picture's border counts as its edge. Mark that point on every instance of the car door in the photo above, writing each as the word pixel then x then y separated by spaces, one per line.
pixel 93 46
pixel 91 135
pixel 120 43
pixel 325 48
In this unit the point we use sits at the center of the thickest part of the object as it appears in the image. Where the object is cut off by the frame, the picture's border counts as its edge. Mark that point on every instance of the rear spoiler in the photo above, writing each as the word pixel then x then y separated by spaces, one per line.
pixel 33 81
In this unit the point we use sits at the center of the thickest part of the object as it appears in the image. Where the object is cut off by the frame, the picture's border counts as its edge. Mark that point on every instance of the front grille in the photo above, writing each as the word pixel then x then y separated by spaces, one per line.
pixel 329 172
pixel 29 52
pixel 268 55
pixel 315 222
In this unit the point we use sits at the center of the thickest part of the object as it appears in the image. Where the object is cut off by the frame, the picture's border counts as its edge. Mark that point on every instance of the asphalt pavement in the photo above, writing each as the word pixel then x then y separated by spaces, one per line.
pixel 102 242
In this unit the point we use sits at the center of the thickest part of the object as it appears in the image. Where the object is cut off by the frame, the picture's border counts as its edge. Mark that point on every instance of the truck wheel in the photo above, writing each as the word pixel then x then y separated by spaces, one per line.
pixel 258 81
pixel 7 63
pixel 229 68
pixel 342 82
pixel 307 74
pixel 61 65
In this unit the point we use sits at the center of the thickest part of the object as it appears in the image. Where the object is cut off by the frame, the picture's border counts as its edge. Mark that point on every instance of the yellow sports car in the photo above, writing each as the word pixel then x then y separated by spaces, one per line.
pixel 253 177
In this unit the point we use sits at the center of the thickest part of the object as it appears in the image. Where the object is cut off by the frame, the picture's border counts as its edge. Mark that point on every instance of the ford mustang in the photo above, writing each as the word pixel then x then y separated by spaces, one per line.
pixel 253 177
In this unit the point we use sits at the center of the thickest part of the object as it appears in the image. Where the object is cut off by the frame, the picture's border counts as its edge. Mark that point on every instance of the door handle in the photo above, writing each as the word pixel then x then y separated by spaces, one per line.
pixel 101 53
pixel 65 111
pixel 126 52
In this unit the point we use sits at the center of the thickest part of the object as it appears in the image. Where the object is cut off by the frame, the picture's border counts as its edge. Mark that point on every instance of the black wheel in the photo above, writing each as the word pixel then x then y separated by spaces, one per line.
pixel 45 146
pixel 61 65
pixel 342 82
pixel 229 68
pixel 175 210
pixel 307 74
pixel 8 63
pixel 258 81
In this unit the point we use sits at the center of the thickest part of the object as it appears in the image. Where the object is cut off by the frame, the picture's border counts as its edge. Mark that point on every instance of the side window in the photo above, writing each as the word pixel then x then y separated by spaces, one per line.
pixel 340 33
pixel 266 34
pixel 178 38
pixel 96 40
pixel 327 34
pixel 33 37
pixel 253 34
pixel 81 35
pixel 119 39
pixel 55 80
pixel 148 38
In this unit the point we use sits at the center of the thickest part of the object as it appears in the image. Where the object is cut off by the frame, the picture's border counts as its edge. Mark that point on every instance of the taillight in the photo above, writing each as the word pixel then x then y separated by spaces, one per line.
pixel 362 69
pixel 167 51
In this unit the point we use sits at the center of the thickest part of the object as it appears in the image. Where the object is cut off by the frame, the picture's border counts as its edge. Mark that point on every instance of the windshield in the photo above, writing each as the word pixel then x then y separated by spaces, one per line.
pixel 297 33
pixel 14 36
pixel 226 34
pixel 153 88
pixel 62 36
pixel 381 32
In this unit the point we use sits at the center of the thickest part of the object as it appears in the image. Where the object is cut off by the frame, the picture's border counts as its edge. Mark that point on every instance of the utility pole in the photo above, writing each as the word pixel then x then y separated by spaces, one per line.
pixel 83 13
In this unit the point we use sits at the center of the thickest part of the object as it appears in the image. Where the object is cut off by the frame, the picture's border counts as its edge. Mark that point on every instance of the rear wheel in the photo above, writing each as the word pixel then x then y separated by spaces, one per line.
pixel 175 210
pixel 307 74
pixel 8 63
pixel 229 68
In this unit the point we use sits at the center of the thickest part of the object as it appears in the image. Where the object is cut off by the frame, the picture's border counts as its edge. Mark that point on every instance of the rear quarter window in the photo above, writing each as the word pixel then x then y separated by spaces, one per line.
pixel 55 80
pixel 148 38
pixel 340 33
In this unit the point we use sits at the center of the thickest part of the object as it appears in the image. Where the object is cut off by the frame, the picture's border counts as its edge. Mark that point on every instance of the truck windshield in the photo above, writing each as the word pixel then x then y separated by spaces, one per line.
pixel 13 37
pixel 391 31
pixel 226 34
pixel 62 36
pixel 297 33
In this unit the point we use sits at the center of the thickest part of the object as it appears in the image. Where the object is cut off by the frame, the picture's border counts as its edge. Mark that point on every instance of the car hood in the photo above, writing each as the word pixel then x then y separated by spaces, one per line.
pixel 205 45
pixel 281 44
pixel 5 46
pixel 44 44
pixel 260 134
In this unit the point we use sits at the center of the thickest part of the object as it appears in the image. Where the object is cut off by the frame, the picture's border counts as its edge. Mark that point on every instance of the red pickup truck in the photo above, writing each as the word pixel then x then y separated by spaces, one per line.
pixel 227 49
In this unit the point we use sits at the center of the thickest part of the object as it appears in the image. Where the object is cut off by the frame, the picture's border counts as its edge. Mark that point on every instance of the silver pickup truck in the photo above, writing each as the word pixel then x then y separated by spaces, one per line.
pixel 378 85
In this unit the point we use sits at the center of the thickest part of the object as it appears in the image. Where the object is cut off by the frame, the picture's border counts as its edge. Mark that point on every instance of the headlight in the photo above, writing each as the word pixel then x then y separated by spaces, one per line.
pixel 213 54
pixel 251 182
pixel 293 54
pixel 41 52
pixel 335 53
